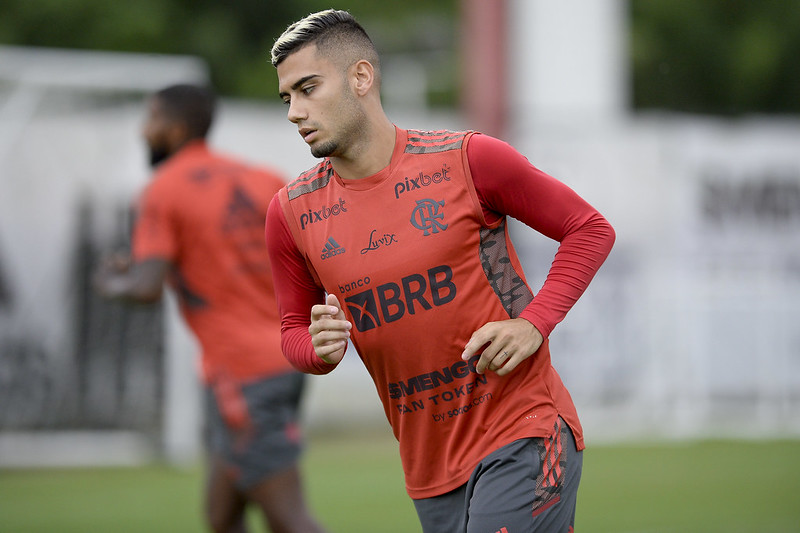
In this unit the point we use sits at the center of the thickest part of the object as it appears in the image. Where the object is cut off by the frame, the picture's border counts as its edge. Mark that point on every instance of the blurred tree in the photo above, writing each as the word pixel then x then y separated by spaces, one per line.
pixel 233 37
pixel 726 57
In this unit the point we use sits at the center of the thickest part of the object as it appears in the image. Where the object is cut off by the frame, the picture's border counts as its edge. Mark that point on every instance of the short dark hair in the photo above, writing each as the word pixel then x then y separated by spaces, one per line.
pixel 192 105
pixel 334 32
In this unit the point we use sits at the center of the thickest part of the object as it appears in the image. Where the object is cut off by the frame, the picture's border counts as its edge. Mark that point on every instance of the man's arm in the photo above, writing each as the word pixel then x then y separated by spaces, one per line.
pixel 139 277
pixel 297 295
pixel 507 184
pixel 119 278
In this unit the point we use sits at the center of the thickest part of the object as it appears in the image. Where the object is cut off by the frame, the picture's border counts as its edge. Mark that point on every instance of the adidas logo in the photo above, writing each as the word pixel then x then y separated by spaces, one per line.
pixel 331 248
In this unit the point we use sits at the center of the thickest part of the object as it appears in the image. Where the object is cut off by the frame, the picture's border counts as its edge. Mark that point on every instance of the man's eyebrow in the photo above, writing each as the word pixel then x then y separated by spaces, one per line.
pixel 299 83
pixel 302 80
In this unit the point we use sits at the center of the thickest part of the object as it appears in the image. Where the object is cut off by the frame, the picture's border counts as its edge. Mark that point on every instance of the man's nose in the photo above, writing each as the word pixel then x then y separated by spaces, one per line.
pixel 296 112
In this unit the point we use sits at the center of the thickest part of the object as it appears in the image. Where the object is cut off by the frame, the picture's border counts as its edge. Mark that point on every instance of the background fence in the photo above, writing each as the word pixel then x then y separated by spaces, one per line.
pixel 689 330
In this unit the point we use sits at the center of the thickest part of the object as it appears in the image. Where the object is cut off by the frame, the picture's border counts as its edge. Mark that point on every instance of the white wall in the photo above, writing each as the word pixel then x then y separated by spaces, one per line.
pixel 690 328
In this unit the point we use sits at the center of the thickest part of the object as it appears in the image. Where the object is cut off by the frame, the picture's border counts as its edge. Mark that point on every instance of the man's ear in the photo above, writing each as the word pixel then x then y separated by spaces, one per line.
pixel 177 135
pixel 363 77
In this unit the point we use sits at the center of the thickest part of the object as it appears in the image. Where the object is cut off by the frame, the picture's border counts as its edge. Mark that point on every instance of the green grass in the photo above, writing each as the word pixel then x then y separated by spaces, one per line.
pixel 355 485
pixel 705 487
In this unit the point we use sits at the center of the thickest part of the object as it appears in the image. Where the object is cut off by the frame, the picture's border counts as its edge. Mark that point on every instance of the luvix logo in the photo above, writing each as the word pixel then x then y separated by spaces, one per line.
pixel 376 242
pixel 390 302
pixel 331 248
pixel 426 216
pixel 317 216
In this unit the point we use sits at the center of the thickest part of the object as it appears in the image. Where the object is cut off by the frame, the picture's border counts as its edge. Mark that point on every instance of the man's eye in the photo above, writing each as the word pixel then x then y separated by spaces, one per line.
pixel 307 90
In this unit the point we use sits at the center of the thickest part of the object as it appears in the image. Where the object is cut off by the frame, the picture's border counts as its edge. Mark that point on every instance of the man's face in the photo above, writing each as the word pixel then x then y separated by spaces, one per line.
pixel 322 105
pixel 156 133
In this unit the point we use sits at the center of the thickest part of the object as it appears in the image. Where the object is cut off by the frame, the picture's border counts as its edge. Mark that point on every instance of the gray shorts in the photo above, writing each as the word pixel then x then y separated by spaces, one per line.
pixel 530 485
pixel 254 428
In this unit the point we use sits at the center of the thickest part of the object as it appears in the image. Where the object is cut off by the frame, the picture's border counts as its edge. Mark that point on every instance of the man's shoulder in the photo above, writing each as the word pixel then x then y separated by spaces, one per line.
pixel 197 167
pixel 187 174
pixel 313 179
pixel 434 141
pixel 186 163
pixel 262 177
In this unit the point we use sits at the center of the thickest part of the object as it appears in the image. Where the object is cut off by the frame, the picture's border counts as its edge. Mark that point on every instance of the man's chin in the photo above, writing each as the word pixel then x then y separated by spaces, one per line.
pixel 324 149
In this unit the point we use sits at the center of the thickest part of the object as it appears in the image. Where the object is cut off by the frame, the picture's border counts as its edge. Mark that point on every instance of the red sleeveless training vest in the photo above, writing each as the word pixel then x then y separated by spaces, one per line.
pixel 409 255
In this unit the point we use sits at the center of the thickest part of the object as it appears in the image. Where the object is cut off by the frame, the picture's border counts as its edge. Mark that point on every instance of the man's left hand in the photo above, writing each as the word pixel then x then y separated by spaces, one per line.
pixel 506 344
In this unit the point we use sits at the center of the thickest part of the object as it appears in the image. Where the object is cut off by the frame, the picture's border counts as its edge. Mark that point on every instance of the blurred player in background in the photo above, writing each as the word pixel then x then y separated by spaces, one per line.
pixel 200 227
pixel 406 233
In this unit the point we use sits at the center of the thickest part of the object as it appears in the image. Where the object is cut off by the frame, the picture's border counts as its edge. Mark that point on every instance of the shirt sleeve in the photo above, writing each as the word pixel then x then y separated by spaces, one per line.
pixel 296 292
pixel 155 231
pixel 508 184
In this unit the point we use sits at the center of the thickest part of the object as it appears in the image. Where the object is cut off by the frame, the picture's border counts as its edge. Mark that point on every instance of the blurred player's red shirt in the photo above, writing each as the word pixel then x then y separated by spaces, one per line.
pixel 205 213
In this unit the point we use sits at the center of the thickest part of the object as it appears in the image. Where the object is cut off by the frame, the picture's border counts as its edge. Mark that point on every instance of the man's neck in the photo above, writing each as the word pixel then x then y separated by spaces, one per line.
pixel 370 156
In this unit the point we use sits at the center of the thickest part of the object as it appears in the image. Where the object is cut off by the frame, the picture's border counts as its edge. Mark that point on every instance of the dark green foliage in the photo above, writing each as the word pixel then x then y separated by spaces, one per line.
pixel 233 37
pixel 727 57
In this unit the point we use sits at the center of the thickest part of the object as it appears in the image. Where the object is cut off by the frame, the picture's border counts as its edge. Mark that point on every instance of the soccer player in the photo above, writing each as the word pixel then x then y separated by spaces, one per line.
pixel 200 226
pixel 397 241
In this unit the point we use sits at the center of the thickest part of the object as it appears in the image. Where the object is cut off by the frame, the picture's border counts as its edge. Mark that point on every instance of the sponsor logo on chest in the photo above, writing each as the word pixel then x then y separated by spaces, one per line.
pixel 421 180
pixel 327 211
pixel 331 249
pixel 391 301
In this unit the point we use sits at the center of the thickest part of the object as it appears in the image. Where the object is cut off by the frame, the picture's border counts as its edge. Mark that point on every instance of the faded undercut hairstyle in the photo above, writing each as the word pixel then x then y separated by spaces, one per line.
pixel 336 34
pixel 191 105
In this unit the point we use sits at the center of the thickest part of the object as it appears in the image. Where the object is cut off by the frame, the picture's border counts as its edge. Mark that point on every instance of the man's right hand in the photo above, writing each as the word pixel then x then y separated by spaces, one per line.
pixel 329 330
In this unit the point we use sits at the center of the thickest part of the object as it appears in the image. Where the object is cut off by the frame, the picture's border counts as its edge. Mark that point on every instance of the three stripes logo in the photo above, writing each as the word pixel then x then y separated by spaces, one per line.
pixel 331 248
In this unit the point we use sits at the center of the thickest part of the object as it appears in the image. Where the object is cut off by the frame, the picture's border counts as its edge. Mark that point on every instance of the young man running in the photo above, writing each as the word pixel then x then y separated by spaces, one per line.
pixel 397 242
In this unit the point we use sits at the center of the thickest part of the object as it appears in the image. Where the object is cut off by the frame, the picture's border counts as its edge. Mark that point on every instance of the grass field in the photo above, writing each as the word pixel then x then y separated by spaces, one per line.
pixel 356 486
